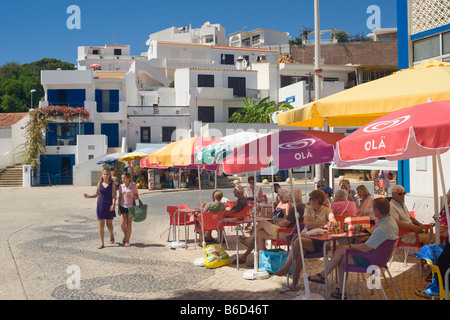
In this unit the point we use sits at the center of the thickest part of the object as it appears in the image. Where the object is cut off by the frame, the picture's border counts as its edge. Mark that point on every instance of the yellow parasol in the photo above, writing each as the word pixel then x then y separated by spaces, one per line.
pixel 181 152
pixel 366 102
pixel 133 156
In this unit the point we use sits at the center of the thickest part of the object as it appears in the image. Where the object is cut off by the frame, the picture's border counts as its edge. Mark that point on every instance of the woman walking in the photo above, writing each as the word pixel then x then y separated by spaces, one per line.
pixel 128 193
pixel 106 194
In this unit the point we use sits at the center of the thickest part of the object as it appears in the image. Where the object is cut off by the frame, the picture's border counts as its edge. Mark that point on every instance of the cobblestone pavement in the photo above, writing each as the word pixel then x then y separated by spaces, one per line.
pixel 49 236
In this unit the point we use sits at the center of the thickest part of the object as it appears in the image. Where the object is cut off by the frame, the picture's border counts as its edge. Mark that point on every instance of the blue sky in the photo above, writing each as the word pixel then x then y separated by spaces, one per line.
pixel 32 30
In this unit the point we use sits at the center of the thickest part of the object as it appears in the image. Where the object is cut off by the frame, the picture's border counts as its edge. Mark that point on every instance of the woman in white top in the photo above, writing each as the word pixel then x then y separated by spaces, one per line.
pixel 253 192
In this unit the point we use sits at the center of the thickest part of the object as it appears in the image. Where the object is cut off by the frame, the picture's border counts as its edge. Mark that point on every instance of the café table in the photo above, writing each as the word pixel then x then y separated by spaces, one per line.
pixel 186 212
pixel 236 221
pixel 326 237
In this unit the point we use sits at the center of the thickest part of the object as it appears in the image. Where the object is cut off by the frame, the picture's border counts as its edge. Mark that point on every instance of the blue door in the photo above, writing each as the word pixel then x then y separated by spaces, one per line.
pixel 111 130
pixel 56 169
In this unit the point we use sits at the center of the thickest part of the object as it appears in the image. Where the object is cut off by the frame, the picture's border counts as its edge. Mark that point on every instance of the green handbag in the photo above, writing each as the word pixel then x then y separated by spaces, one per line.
pixel 138 213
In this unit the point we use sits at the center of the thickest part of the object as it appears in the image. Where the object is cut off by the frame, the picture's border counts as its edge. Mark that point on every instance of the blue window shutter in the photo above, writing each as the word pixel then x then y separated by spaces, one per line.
pixel 98 99
pixel 76 97
pixel 114 100
pixel 52 97
pixel 51 134
pixel 88 128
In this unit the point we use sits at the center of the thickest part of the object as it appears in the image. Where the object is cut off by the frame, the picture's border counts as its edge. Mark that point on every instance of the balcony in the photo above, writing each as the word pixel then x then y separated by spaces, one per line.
pixel 224 93
pixel 158 111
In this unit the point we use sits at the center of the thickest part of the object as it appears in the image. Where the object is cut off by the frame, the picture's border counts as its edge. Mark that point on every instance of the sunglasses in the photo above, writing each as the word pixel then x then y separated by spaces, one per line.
pixel 401 193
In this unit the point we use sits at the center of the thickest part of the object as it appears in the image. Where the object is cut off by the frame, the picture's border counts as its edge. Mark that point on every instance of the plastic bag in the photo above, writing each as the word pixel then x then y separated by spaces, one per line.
pixel 272 260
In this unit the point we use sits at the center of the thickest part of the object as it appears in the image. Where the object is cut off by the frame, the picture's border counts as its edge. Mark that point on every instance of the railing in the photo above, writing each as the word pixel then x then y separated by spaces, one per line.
pixel 10 159
pixel 47 179
pixel 161 111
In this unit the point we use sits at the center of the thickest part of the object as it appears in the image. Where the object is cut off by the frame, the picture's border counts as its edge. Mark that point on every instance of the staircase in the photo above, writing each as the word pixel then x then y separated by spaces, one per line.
pixel 224 182
pixel 11 177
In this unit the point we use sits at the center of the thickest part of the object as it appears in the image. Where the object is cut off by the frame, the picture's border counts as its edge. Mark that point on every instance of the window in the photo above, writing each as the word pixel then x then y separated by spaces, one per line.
pixel 426 48
pixel 146 134
pixel 256 39
pixel 95 52
pixel 117 52
pixel 232 110
pixel 206 80
pixel 208 38
pixel 206 114
pixel 107 100
pixel 446 43
pixel 66 97
pixel 167 134
pixel 238 86
pixel 227 59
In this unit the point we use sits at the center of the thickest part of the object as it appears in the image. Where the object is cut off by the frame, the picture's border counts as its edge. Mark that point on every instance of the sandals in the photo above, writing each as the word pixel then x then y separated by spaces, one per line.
pixel 321 279
pixel 337 294
pixel 285 289
pixel 111 240
pixel 101 247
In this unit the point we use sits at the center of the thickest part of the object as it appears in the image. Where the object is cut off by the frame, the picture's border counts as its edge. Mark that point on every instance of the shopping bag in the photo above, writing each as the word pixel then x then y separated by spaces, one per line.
pixel 215 256
pixel 138 213
pixel 272 260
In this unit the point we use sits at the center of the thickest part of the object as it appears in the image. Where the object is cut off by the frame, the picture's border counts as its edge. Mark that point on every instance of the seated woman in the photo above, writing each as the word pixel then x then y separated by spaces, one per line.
pixel 316 215
pixel 253 192
pixel 342 206
pixel 365 206
pixel 284 204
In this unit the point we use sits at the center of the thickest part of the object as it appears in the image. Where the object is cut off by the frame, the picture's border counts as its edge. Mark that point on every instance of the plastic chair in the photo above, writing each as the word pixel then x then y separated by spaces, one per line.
pixel 406 246
pixel 179 219
pixel 435 270
pixel 278 242
pixel 377 257
pixel 244 212
pixel 210 221
pixel 230 204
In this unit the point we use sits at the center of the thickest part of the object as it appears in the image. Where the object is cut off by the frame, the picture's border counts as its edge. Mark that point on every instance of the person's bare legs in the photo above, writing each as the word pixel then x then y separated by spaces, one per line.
pixel 294 253
pixel 109 225
pixel 101 232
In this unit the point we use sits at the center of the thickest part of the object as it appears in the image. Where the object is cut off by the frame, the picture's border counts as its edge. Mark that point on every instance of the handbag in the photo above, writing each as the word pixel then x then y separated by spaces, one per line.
pixel 138 213
pixel 272 260
pixel 215 256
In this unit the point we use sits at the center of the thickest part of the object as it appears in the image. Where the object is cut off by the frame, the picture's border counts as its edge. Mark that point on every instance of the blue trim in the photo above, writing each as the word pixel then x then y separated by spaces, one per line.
pixel 158 115
pixel 431 32
pixel 402 34
pixel 158 107
pixel 403 63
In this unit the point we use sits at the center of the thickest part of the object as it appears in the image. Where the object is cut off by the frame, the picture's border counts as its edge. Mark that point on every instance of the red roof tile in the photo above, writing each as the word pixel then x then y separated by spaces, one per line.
pixel 8 119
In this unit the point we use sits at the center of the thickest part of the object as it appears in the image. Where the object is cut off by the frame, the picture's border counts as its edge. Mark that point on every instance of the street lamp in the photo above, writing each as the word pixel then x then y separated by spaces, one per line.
pixel 31 103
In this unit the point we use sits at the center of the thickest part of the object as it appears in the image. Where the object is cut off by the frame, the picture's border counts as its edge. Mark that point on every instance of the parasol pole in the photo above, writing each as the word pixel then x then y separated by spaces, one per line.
pixel 201 207
pixel 177 243
pixel 255 274
pixel 307 295
pixel 443 187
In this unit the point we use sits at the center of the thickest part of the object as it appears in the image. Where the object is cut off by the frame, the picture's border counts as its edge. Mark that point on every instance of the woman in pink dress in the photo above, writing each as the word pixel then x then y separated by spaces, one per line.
pixel 128 193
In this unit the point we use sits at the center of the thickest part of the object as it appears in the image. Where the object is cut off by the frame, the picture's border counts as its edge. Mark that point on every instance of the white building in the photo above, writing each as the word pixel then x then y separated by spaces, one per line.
pixel 187 75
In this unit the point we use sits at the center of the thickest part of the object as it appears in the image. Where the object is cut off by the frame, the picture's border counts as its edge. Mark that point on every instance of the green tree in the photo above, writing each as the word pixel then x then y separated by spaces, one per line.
pixel 260 112
pixel 16 82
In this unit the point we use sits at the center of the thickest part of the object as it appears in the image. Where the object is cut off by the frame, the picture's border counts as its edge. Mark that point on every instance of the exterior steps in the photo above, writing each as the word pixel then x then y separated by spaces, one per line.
pixel 11 177
pixel 113 150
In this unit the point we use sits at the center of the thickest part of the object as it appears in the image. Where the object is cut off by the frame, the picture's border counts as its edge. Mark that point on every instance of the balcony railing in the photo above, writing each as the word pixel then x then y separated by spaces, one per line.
pixel 158 111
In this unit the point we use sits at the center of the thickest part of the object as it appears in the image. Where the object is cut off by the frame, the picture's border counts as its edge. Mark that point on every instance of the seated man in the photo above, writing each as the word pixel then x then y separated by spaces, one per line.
pixel 241 202
pixel 267 230
pixel 404 219
pixel 211 207
pixel 385 229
